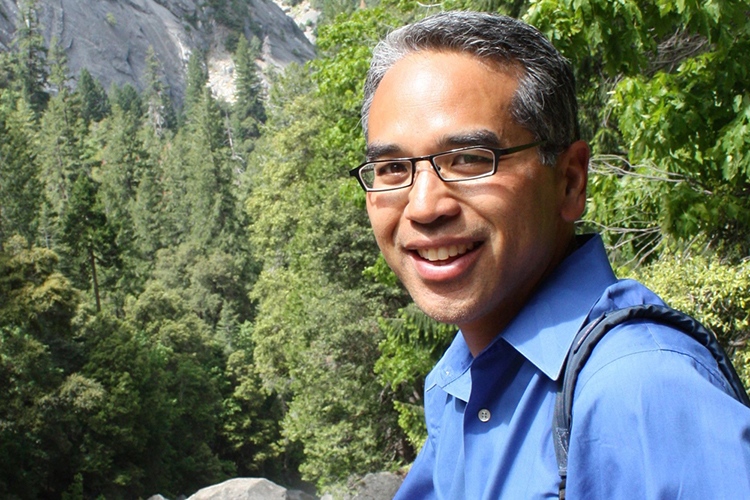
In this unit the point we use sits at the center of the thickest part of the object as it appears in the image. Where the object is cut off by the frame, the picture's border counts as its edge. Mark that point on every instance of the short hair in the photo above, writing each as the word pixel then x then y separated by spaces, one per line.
pixel 545 101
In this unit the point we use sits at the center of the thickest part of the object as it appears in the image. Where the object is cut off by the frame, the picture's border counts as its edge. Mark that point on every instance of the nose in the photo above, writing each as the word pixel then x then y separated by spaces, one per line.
pixel 429 197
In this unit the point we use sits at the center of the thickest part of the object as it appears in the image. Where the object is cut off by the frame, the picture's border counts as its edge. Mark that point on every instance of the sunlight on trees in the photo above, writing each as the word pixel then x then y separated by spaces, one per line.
pixel 194 294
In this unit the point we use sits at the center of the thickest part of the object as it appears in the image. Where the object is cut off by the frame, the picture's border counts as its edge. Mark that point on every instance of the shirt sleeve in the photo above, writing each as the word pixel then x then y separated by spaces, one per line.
pixel 658 424
pixel 418 484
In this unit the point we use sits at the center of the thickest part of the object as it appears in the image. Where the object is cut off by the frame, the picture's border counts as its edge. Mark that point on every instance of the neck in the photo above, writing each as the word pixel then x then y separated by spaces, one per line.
pixel 480 333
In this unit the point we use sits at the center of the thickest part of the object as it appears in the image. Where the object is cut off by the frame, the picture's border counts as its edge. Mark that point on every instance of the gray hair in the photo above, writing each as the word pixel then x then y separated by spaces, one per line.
pixel 545 101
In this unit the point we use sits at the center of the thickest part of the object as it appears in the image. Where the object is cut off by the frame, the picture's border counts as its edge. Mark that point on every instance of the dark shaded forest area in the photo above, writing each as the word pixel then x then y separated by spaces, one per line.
pixel 190 294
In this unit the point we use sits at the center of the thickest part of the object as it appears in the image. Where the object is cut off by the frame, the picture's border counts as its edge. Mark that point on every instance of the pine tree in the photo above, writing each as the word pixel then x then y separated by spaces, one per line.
pixel 58 67
pixel 29 68
pixel 248 111
pixel 20 188
pixel 6 70
pixel 61 149
pixel 88 237
pixel 212 204
pixel 127 98
pixel 131 207
pixel 197 78
pixel 94 102
pixel 159 110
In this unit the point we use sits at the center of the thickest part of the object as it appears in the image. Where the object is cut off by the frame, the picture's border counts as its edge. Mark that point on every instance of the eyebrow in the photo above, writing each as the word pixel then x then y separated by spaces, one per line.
pixel 377 150
pixel 481 137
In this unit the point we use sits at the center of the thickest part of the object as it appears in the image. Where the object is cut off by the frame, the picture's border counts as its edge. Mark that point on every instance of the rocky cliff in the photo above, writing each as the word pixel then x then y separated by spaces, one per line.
pixel 111 37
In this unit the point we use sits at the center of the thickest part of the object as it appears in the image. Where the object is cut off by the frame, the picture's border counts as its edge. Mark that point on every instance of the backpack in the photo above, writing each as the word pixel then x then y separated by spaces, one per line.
pixel 584 344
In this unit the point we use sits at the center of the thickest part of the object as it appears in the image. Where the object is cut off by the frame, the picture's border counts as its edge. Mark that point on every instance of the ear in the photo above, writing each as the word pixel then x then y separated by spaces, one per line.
pixel 573 170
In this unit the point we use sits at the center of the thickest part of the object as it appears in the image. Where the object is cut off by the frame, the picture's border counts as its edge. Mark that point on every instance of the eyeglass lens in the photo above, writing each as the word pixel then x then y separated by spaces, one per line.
pixel 456 165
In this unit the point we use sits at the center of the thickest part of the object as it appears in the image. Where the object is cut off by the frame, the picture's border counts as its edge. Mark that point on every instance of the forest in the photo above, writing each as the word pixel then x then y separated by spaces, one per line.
pixel 192 293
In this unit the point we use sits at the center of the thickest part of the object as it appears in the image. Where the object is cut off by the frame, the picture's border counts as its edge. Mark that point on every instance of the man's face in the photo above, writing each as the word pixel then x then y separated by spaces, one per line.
pixel 470 252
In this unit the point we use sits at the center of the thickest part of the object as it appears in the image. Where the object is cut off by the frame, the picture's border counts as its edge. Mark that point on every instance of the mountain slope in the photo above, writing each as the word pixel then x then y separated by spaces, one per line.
pixel 111 37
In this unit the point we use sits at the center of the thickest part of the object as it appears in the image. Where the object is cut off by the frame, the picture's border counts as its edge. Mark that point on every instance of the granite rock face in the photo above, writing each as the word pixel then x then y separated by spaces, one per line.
pixel 111 37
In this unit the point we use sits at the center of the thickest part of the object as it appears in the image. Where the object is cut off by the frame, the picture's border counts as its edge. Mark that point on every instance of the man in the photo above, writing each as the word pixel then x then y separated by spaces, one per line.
pixel 475 177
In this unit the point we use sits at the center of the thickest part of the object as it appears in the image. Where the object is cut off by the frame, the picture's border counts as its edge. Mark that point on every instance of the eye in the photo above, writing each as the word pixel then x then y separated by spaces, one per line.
pixel 392 169
pixel 466 164
pixel 472 158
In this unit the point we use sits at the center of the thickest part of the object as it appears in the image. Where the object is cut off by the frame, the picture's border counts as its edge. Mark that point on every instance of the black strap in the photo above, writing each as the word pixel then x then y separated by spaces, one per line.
pixel 584 344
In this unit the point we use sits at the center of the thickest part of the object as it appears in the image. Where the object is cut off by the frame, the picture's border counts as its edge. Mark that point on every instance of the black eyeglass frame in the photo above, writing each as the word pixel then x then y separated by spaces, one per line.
pixel 497 153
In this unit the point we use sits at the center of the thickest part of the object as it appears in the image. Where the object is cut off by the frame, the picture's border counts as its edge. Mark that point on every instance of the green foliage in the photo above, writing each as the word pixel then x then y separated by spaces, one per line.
pixel 94 101
pixel 245 324
pixel 20 186
pixel 159 110
pixel 127 98
pixel 35 295
pixel 714 291
pixel 251 416
pixel 88 239
pixel 413 344
pixel 28 63
pixel 37 348
pixel 58 63
pixel 197 79
pixel 648 74
pixel 248 111
pixel 61 152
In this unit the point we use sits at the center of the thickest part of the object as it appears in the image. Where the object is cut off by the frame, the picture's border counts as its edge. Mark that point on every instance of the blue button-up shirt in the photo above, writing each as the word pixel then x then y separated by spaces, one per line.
pixel 652 415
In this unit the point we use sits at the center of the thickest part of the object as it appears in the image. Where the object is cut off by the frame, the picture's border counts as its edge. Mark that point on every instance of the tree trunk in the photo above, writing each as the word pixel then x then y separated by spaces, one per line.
pixel 96 281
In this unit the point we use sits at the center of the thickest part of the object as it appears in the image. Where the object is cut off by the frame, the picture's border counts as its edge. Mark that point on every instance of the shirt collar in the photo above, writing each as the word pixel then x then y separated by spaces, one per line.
pixel 544 329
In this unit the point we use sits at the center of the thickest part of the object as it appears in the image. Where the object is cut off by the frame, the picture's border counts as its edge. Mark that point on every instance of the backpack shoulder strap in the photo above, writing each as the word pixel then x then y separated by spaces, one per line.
pixel 584 344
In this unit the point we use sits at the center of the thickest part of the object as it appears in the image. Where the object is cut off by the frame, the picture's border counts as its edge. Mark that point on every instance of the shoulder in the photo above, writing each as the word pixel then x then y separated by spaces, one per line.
pixel 644 350
pixel 648 353
pixel 653 416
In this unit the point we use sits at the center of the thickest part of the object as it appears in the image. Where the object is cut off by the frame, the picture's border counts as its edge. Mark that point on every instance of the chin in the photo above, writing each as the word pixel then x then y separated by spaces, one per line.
pixel 444 310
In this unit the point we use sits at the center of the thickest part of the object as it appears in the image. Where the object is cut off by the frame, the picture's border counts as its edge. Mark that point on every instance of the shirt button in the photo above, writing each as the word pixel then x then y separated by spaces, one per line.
pixel 484 415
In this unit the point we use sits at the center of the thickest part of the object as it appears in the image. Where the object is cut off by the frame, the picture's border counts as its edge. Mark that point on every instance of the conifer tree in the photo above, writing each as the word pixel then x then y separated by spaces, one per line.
pixel 20 188
pixel 88 237
pixel 58 67
pixel 29 68
pixel 127 98
pixel 197 78
pixel 6 70
pixel 121 154
pixel 212 203
pixel 248 111
pixel 94 102
pixel 159 110
pixel 61 150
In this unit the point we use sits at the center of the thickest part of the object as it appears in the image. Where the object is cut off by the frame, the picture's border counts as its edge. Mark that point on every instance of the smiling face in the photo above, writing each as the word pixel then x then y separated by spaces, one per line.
pixel 471 252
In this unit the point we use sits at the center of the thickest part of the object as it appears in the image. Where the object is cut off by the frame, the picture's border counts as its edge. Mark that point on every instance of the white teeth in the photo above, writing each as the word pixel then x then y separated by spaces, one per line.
pixel 444 253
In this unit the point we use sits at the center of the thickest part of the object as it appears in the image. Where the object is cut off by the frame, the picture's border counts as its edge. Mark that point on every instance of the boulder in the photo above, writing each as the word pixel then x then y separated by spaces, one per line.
pixel 377 486
pixel 245 488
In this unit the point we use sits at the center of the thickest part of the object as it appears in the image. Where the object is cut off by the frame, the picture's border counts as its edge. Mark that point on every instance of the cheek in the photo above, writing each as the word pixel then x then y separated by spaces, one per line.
pixel 384 220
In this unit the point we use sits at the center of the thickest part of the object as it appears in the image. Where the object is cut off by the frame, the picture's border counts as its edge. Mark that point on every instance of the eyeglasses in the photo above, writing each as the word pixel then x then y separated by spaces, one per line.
pixel 456 165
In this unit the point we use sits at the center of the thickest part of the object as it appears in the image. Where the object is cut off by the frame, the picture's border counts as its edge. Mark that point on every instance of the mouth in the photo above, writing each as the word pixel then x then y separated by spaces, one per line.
pixel 446 253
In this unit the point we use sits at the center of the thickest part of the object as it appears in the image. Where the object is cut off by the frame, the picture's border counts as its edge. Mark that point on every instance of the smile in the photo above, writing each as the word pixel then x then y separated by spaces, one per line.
pixel 444 253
